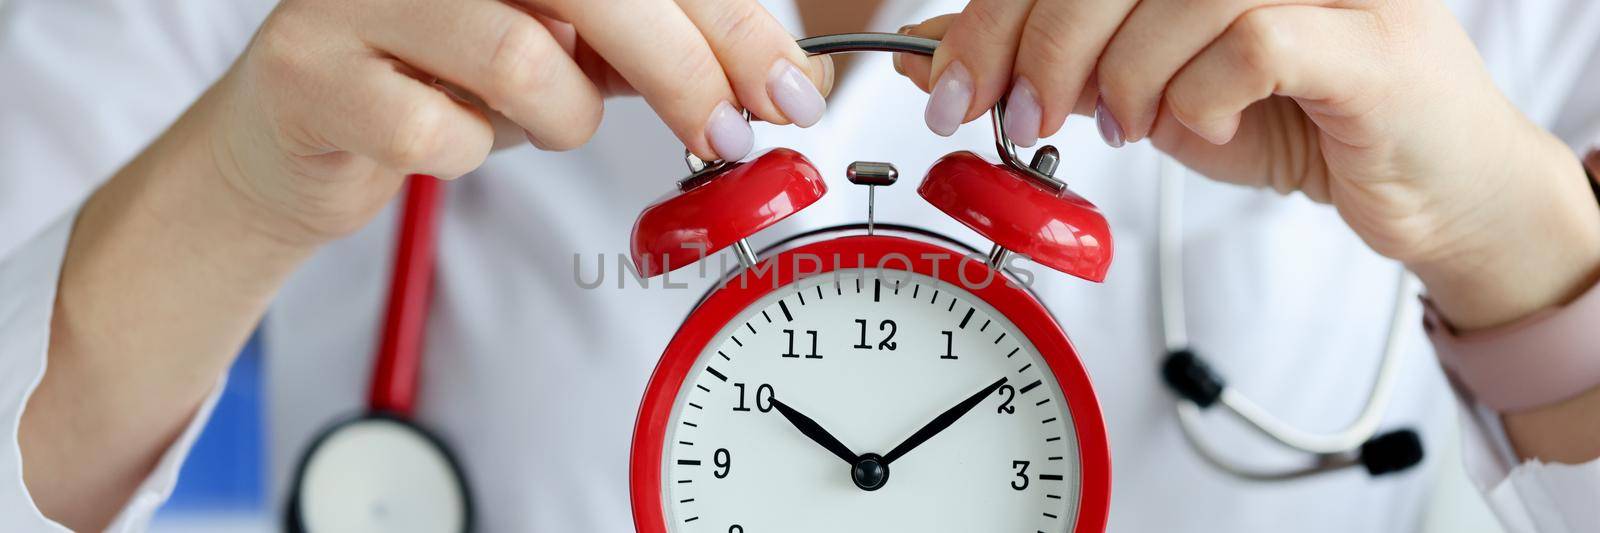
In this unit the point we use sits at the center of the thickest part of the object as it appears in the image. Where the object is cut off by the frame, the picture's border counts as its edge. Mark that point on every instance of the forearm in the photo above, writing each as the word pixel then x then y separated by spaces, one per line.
pixel 164 277
pixel 1547 254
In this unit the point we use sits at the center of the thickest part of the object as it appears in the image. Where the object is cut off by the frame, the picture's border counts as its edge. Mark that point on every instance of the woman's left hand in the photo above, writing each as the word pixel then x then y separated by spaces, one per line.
pixel 1383 109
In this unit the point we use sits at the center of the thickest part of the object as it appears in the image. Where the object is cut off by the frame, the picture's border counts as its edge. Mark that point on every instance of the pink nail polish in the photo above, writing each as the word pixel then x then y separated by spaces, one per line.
pixel 794 94
pixel 1022 114
pixel 729 133
pixel 948 103
pixel 1110 129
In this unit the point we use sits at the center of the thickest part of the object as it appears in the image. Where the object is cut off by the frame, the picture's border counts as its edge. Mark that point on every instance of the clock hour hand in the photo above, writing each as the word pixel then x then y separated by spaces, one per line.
pixel 811 429
pixel 944 420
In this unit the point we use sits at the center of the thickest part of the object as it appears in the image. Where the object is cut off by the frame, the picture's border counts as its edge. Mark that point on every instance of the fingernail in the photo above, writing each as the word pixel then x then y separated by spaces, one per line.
pixel 729 133
pixel 796 97
pixel 951 97
pixel 1022 114
pixel 906 29
pixel 1110 130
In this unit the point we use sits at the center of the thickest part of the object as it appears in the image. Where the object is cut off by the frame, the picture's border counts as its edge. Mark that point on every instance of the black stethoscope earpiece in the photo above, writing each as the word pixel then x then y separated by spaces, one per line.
pixel 1188 376
pixel 1392 452
pixel 1198 387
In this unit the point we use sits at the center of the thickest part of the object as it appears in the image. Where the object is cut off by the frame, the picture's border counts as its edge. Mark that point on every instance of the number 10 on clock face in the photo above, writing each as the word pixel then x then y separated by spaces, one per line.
pixel 872 400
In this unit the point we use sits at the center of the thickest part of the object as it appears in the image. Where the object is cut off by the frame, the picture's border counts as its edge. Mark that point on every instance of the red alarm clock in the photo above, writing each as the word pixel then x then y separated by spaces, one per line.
pixel 872 377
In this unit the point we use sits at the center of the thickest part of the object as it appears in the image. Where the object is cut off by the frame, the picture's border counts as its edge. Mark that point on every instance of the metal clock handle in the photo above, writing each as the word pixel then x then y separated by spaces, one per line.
pixel 1045 160
pixel 1042 169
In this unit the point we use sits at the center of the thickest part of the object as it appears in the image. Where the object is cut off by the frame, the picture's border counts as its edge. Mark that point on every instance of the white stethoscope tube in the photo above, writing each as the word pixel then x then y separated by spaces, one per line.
pixel 1352 445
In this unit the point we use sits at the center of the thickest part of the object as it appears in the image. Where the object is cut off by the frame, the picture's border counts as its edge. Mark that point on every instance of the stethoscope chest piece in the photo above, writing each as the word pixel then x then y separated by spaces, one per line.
pixel 378 473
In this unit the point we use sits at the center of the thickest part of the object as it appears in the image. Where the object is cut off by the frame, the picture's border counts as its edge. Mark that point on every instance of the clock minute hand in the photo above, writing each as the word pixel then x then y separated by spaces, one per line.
pixel 944 420
pixel 810 428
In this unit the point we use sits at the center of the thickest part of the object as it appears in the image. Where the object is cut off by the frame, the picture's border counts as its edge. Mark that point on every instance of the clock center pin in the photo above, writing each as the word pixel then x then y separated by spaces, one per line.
pixel 869 472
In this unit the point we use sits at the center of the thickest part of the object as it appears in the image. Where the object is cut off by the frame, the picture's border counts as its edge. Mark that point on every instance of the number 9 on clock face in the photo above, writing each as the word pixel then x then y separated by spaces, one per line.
pixel 909 397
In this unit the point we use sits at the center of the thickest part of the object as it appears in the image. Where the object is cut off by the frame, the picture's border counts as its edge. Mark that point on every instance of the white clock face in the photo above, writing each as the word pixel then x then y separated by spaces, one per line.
pixel 909 376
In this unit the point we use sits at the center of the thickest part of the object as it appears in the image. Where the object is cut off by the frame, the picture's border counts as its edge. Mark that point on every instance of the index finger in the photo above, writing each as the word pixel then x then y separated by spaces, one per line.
pixel 669 62
pixel 772 77
pixel 972 66
pixel 1060 47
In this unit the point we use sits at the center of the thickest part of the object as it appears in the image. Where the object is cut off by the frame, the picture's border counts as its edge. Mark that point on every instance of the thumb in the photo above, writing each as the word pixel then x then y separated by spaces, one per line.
pixel 919 68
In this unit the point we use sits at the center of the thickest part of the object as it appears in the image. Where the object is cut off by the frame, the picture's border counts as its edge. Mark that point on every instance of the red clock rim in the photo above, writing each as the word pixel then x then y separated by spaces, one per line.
pixel 857 251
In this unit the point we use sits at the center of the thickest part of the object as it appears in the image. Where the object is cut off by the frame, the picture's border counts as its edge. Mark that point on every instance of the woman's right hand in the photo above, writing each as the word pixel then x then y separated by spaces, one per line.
pixel 334 102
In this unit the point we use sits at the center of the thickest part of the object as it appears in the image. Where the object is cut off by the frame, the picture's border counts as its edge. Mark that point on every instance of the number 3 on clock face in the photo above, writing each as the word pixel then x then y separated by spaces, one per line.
pixel 868 399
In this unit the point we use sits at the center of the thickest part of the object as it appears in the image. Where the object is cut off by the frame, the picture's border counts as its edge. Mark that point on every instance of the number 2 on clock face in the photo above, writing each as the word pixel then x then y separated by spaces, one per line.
pixel 875 364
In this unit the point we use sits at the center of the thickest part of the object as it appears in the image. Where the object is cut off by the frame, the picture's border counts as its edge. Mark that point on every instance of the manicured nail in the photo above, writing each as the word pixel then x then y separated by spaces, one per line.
pixel 1022 114
pixel 1110 130
pixel 729 133
pixel 794 94
pixel 951 97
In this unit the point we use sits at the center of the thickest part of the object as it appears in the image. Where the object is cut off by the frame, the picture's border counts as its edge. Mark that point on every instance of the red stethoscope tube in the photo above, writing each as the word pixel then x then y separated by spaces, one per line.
pixel 337 482
pixel 395 375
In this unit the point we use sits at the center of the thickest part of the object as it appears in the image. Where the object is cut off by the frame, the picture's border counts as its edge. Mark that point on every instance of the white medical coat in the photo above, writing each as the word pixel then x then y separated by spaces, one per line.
pixel 535 381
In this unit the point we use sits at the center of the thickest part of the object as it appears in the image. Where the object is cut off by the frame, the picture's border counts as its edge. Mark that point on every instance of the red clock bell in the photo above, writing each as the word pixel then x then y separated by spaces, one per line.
pixel 872 377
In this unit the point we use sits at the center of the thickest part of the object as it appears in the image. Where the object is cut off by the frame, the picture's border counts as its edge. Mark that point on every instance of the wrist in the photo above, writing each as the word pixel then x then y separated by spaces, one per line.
pixel 276 180
pixel 176 197
pixel 162 261
pixel 1533 244
pixel 243 170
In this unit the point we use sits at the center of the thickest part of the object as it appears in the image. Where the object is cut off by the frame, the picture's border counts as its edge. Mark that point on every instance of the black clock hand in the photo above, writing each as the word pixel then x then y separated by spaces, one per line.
pixel 943 421
pixel 810 428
